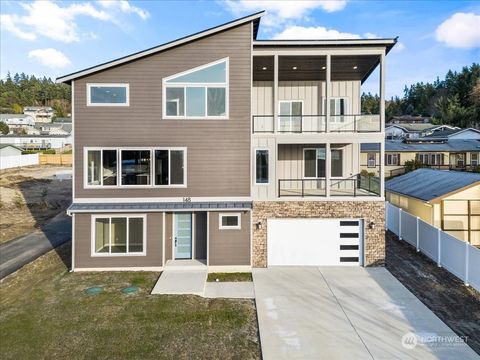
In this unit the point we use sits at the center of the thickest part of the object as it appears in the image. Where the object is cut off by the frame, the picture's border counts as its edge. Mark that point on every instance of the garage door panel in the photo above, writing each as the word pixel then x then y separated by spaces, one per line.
pixel 313 242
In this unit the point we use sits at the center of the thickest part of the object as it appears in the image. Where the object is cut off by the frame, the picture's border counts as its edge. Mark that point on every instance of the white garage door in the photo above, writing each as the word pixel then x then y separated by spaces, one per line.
pixel 314 242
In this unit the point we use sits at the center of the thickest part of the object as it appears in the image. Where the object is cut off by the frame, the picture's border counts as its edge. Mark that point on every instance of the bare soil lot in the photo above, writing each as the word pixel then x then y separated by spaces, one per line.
pixel 46 313
pixel 30 197
pixel 455 304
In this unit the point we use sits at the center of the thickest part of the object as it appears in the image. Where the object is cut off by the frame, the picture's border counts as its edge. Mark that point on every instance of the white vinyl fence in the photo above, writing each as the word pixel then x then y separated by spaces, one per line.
pixel 7 162
pixel 458 257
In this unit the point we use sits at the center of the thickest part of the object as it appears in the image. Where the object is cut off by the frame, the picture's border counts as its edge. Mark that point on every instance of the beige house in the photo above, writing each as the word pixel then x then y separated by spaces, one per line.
pixel 449 200
pixel 443 154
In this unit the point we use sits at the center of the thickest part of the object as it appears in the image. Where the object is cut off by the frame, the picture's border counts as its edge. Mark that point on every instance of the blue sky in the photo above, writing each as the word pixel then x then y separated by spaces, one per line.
pixel 52 38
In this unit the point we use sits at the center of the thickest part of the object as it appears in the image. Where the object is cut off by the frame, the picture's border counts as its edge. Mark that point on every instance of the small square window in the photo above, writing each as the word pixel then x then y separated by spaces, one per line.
pixel 229 221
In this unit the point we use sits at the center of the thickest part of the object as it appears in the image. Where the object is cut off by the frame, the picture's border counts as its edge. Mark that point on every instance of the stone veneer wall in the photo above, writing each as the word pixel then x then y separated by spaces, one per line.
pixel 367 210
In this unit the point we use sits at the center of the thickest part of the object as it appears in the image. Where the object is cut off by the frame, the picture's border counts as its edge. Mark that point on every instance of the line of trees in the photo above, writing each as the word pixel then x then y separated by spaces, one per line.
pixel 23 90
pixel 454 100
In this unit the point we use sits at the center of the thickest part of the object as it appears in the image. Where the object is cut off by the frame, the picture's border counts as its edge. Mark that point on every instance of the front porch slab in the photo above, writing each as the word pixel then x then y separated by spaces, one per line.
pixel 181 282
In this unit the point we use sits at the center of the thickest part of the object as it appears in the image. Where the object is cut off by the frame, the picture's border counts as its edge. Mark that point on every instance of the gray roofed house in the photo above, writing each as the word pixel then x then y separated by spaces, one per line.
pixel 429 184
pixel 446 146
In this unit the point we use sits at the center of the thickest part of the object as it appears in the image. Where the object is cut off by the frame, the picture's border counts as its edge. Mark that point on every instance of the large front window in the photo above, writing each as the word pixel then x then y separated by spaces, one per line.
pixel 118 235
pixel 135 167
pixel 198 93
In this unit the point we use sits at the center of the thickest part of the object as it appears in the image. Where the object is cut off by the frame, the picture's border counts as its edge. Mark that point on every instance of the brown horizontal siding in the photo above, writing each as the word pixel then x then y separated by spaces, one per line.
pixel 229 247
pixel 218 151
pixel 83 258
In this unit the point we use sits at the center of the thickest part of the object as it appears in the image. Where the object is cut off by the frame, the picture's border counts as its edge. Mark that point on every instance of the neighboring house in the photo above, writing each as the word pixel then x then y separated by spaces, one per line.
pixel 454 134
pixel 37 142
pixel 414 130
pixel 449 200
pixel 9 150
pixel 460 155
pixel 54 128
pixel 408 119
pixel 18 122
pixel 229 150
pixel 42 114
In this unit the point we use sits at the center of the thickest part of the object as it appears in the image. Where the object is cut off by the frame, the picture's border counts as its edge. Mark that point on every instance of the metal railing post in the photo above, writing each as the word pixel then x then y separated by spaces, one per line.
pixel 303 194
pixel 418 234
pixel 400 224
pixel 467 265
pixel 439 241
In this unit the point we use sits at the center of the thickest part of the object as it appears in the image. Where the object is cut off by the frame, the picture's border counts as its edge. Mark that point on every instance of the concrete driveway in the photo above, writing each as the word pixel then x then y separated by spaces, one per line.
pixel 347 313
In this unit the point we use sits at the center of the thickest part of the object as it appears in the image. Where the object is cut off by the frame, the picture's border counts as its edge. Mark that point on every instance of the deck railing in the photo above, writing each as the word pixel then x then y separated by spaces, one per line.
pixel 299 124
pixel 357 185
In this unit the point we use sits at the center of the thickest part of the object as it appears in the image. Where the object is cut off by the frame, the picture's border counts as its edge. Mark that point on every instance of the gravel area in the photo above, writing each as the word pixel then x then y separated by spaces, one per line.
pixel 455 304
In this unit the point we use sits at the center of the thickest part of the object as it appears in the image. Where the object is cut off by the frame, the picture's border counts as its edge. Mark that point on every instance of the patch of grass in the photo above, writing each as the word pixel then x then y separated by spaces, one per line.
pixel 45 313
pixel 230 277
pixel 18 200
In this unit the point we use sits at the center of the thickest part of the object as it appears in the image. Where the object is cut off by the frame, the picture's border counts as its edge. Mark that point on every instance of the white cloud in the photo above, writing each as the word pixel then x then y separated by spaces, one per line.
pixel 280 11
pixel 50 19
pixel 50 57
pixel 461 30
pixel 368 35
pixel 124 6
pixel 312 33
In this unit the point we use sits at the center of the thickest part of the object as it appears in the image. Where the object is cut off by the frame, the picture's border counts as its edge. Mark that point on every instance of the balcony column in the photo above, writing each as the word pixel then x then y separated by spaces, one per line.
pixel 275 93
pixel 382 123
pixel 382 92
pixel 327 92
pixel 327 169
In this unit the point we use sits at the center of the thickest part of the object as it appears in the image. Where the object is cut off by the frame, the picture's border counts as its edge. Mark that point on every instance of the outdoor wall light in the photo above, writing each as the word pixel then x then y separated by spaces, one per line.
pixel 264 68
pixel 294 68
pixel 258 225
pixel 355 67
pixel 371 225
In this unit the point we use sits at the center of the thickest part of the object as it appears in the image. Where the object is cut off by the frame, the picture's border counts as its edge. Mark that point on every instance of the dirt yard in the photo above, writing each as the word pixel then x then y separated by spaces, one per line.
pixel 455 304
pixel 30 197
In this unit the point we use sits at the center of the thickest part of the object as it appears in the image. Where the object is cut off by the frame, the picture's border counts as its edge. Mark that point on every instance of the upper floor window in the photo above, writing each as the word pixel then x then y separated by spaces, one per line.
pixel 135 167
pixel 338 108
pixel 108 95
pixel 200 93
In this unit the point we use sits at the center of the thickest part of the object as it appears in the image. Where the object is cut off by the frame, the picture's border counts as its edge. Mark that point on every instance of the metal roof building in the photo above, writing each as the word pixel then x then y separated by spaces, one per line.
pixel 429 184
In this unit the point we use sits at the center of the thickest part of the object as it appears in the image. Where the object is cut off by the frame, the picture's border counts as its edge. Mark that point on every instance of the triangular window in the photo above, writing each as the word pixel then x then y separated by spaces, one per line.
pixel 215 73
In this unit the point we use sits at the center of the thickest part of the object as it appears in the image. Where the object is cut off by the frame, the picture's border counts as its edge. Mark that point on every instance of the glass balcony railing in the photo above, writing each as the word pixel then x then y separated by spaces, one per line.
pixel 299 124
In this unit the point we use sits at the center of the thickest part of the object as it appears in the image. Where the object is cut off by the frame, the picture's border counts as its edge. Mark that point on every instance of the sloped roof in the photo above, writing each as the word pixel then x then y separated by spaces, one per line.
pixel 9 145
pixel 253 17
pixel 450 132
pixel 451 145
pixel 159 206
pixel 412 127
pixel 429 184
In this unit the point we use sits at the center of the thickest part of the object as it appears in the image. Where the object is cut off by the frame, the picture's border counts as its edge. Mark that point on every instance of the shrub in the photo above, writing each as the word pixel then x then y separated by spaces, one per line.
pixel 411 165
pixel 18 200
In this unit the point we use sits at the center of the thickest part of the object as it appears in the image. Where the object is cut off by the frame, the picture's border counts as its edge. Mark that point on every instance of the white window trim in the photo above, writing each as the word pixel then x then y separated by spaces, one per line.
pixel 336 98
pixel 184 149
pixel 255 164
pixel 93 218
pixel 326 164
pixel 392 156
pixel 316 164
pixel 343 164
pixel 290 102
pixel 374 160
pixel 119 168
pixel 225 85
pixel 125 85
pixel 222 227
pixel 474 160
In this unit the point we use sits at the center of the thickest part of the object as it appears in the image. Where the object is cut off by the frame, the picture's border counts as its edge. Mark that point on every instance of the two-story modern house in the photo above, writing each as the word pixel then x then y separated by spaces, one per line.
pixel 233 151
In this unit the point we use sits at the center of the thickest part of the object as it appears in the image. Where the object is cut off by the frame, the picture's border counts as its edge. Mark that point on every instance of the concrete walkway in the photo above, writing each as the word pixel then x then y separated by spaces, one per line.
pixel 16 253
pixel 347 313
pixel 229 290
pixel 181 282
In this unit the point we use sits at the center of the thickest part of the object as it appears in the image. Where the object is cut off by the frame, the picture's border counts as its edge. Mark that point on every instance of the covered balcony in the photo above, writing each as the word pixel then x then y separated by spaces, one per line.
pixel 315 94
pixel 324 170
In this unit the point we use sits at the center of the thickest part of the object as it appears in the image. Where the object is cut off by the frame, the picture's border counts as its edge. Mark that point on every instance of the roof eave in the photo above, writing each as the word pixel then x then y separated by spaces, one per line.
pixel 208 32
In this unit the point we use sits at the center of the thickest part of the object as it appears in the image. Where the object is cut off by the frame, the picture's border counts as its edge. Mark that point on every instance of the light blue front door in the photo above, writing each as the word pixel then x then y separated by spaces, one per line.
pixel 183 236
